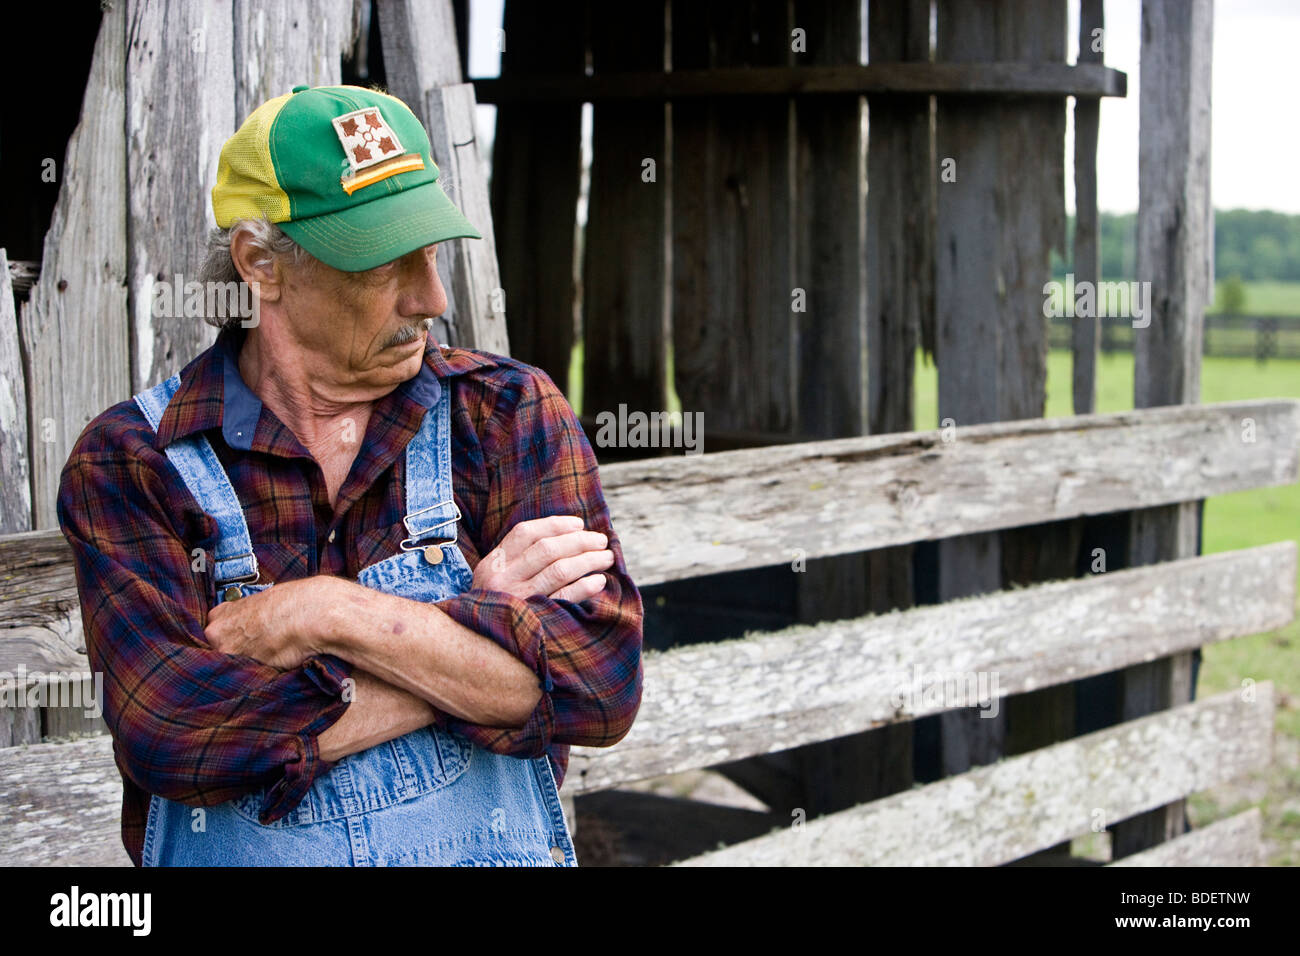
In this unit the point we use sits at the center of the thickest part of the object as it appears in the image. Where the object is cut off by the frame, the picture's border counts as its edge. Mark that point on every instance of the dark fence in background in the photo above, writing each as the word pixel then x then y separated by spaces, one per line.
pixel 1260 337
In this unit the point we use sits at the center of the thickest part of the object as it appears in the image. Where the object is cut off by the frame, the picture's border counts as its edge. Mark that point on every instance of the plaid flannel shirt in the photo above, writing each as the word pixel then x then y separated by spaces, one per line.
pixel 202 727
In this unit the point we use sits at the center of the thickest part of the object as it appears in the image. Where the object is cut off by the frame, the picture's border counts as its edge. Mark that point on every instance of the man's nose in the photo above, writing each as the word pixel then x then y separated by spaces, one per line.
pixel 422 292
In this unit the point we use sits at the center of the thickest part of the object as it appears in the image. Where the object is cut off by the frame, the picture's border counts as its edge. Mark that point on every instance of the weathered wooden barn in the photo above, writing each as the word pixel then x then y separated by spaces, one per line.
pixel 966 646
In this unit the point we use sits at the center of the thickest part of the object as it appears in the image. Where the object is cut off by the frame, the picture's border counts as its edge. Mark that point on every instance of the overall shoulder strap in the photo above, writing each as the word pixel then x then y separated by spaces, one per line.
pixel 430 508
pixel 201 470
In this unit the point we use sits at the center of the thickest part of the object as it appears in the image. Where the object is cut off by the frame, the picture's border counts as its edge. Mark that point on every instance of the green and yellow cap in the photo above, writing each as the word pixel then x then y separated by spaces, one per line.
pixel 346 172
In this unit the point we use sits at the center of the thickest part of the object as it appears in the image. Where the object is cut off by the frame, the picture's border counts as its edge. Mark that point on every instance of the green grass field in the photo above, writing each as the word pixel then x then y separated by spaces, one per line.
pixel 1272 298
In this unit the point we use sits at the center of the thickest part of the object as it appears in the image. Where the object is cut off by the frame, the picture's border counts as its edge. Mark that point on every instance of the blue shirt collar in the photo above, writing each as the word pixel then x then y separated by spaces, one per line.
pixel 242 409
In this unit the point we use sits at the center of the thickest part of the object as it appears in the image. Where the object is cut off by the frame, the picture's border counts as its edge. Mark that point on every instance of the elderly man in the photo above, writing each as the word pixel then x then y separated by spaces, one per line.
pixel 354 594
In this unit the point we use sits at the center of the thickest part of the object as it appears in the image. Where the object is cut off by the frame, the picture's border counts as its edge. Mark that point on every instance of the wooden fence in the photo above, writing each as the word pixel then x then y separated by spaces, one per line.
pixel 709 704
pixel 758 194
pixel 1261 337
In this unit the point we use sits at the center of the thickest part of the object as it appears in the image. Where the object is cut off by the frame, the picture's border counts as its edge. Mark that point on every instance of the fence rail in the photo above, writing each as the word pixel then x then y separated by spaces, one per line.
pixel 1261 337
pixel 1035 800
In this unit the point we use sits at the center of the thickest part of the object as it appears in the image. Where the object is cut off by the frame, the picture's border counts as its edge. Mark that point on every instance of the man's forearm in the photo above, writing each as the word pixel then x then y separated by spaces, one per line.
pixel 417 647
pixel 378 712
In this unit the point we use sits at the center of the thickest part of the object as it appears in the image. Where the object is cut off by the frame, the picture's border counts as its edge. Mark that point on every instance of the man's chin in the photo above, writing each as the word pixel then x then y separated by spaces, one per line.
pixel 394 364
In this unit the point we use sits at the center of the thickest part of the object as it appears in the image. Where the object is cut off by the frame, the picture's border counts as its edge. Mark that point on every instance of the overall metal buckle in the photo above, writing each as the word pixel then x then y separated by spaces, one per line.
pixel 410 542
pixel 228 585
pixel 433 549
pixel 252 578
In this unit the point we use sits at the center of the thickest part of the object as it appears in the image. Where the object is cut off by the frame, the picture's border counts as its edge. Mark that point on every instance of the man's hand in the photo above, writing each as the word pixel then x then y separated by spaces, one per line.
pixel 274 626
pixel 552 556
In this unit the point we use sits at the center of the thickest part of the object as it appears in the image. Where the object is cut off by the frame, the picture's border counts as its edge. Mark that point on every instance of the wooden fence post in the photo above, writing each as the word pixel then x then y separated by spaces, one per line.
pixel 282 43
pixel 1173 234
pixel 422 62
pixel 75 327
pixel 536 169
pixel 180 107
pixel 624 290
pixel 1085 330
pixel 18 725
pixel 16 489
pixel 1000 209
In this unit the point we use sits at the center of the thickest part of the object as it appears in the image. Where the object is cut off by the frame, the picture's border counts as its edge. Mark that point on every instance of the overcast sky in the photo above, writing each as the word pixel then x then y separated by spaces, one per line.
pixel 1256 132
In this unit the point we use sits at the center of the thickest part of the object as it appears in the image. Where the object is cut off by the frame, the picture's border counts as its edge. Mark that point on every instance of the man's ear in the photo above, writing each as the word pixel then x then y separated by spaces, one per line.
pixel 256 266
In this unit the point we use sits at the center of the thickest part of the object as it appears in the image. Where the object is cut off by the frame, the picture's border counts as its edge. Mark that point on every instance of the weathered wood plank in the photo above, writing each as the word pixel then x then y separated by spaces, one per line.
pixel 41 635
pixel 1000 208
pixel 899 259
pixel 1173 235
pixel 476 308
pixel 75 327
pixel 734 342
pixel 830 398
pixel 950 79
pixel 736 201
pixel 624 298
pixel 281 43
pixel 179 109
pixel 536 170
pixel 830 204
pixel 1231 842
pixel 61 805
pixel 40 614
pixel 708 704
pixel 900 223
pixel 1003 812
pixel 702 514
pixel 1173 191
pixel 421 52
pixel 1086 330
pixel 422 59
pixel 15 488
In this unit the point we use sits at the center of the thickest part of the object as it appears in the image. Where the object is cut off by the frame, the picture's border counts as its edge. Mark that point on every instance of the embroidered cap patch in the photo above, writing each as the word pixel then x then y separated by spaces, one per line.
pixel 373 150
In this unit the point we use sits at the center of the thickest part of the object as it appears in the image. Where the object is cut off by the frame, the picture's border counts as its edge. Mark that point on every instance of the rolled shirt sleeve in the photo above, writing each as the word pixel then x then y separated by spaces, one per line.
pixel 587 655
pixel 189 723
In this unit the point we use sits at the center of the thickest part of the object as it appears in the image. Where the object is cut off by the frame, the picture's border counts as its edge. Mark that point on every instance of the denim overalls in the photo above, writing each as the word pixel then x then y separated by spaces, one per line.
pixel 429 798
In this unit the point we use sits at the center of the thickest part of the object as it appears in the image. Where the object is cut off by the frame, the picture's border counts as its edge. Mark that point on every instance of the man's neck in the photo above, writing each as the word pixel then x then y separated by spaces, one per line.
pixel 318 412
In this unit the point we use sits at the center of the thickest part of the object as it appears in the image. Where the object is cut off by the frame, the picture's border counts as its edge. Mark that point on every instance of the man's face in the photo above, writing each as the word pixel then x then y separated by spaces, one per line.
pixel 366 329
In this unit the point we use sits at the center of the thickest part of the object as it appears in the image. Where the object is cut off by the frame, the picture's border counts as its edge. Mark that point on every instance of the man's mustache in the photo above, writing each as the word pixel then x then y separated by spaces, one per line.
pixel 409 333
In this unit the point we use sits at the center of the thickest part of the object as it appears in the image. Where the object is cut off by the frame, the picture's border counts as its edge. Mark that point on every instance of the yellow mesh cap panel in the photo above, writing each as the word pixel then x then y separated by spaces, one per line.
pixel 246 184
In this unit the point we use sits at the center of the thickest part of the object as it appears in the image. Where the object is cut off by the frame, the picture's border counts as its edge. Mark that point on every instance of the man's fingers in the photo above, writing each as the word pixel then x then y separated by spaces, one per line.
pixel 566 571
pixel 580 590
pixel 547 552
pixel 525 534
pixel 548 555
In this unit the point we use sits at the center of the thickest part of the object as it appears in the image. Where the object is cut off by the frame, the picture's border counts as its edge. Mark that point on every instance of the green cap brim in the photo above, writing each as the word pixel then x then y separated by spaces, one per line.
pixel 384 229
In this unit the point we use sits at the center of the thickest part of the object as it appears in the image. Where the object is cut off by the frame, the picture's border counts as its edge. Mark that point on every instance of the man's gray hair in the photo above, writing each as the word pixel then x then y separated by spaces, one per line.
pixel 219 267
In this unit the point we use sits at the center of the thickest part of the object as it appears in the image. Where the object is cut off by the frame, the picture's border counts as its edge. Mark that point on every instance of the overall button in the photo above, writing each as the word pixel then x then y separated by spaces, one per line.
pixel 433 554
pixel 557 854
pixel 233 593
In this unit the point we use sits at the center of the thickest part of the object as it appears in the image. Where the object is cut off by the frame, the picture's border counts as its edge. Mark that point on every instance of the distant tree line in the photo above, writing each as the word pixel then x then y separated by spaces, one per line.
pixel 1250 244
